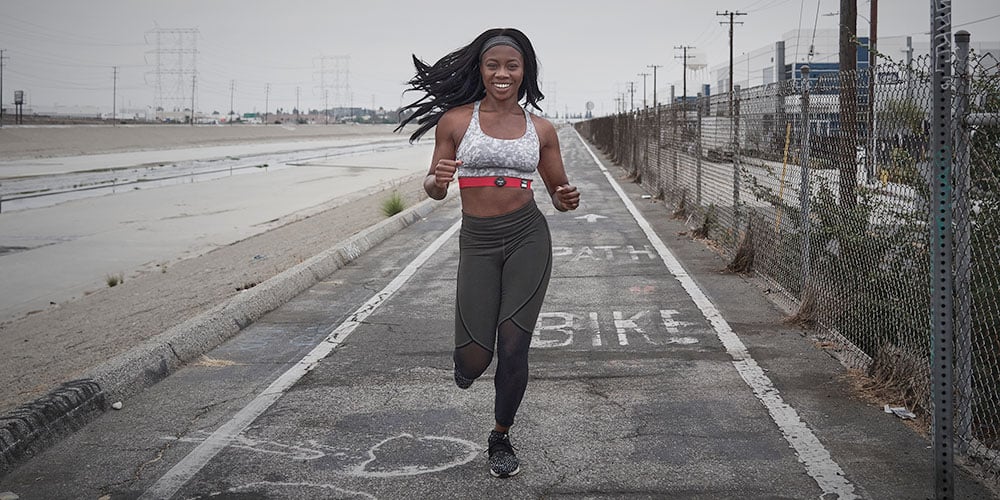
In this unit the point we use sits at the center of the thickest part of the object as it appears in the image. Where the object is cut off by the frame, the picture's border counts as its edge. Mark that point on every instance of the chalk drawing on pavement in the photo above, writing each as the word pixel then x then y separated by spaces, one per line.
pixel 292 452
pixel 396 456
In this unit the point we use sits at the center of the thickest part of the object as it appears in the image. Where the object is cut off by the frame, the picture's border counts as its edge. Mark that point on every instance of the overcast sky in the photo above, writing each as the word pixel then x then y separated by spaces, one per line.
pixel 63 51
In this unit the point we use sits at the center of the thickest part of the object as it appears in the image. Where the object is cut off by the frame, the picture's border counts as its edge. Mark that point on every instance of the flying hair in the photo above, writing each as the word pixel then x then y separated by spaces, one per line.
pixel 454 80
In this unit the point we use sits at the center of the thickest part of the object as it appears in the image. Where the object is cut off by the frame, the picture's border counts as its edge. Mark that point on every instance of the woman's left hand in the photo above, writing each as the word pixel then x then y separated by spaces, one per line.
pixel 567 196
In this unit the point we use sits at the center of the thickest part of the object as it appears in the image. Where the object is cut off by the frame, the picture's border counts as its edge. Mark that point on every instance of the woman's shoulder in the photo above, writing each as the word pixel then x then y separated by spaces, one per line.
pixel 457 117
pixel 459 112
pixel 542 124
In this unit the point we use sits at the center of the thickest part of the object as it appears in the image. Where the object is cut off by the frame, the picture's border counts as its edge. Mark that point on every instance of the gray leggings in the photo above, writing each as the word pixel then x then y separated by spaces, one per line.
pixel 503 273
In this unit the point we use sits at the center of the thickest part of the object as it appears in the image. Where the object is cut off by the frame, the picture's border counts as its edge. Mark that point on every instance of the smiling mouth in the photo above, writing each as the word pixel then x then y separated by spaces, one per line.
pixel 501 85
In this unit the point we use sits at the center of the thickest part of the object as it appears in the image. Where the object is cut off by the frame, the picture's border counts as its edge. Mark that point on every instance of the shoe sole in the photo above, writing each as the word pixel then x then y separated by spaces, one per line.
pixel 504 476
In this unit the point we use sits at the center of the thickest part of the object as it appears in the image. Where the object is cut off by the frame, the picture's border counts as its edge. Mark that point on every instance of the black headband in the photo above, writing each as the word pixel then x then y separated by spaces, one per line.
pixel 500 40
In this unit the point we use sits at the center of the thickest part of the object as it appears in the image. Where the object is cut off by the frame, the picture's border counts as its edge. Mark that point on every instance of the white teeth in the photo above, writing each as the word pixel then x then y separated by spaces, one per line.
pixel 501 85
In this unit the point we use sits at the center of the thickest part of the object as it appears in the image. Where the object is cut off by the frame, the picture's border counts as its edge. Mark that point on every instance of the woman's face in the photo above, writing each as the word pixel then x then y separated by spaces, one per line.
pixel 502 69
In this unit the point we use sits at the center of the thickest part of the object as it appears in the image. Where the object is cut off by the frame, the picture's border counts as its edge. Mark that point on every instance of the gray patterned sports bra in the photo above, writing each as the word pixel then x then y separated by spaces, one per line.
pixel 485 156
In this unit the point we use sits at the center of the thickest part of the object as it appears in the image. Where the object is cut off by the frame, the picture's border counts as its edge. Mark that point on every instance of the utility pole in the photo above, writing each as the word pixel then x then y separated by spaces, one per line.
pixel 870 158
pixel 296 105
pixel 685 58
pixel 643 75
pixel 909 67
pixel 848 104
pixel 2 57
pixel 114 100
pixel 631 91
pixel 654 66
pixel 731 22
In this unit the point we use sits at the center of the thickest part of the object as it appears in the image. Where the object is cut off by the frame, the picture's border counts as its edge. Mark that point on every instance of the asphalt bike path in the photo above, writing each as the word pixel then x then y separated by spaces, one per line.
pixel 652 375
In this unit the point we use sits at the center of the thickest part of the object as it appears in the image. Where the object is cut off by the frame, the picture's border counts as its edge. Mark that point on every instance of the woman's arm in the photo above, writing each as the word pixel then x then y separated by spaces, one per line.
pixel 443 163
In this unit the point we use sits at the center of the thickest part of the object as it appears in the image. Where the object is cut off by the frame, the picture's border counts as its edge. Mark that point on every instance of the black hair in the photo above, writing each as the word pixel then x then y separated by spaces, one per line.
pixel 455 81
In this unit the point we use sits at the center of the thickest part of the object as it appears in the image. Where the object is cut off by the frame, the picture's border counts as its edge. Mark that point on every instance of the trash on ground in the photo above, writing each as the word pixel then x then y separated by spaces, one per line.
pixel 647 196
pixel 900 411
pixel 117 405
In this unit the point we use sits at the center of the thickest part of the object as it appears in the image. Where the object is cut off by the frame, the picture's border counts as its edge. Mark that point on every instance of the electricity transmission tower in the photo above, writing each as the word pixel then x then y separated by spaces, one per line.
pixel 334 75
pixel 175 66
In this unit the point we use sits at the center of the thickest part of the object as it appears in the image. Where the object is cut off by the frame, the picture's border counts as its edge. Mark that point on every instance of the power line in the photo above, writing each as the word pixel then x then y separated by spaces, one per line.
pixel 977 21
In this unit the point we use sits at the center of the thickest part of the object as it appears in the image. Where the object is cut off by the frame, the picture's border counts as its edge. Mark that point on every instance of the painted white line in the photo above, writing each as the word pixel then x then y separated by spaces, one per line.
pixel 171 482
pixel 817 460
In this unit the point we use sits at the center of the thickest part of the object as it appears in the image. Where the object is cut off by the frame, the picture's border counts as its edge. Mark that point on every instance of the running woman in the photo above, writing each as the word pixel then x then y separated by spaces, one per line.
pixel 487 138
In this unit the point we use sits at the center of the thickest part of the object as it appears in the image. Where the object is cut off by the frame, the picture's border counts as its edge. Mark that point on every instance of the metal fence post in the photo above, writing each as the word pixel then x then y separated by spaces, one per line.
pixel 941 265
pixel 634 137
pixel 804 190
pixel 963 244
pixel 645 139
pixel 736 160
pixel 697 156
pixel 659 145
pixel 676 142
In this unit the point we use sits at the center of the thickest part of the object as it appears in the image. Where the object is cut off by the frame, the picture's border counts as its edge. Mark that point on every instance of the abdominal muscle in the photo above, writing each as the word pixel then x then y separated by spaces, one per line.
pixel 489 201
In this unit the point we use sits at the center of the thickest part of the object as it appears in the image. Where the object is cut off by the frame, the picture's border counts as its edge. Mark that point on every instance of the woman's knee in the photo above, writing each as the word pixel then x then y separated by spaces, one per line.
pixel 472 360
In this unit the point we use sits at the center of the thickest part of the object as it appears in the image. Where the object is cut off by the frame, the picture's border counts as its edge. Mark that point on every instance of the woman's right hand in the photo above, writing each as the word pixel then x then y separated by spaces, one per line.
pixel 444 172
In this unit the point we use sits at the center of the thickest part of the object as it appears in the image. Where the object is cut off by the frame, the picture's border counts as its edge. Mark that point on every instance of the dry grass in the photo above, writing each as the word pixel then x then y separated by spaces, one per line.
pixel 743 260
pixel 213 362
pixel 877 393
pixel 808 310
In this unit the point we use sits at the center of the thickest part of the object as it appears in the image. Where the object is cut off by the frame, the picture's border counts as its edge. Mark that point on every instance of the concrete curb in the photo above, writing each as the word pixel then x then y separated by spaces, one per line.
pixel 31 427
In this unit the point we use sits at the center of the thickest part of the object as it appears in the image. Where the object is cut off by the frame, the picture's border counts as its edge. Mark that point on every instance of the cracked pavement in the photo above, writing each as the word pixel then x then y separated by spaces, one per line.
pixel 616 406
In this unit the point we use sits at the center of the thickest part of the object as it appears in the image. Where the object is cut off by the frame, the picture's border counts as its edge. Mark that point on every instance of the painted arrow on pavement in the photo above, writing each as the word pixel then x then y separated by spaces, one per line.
pixel 591 217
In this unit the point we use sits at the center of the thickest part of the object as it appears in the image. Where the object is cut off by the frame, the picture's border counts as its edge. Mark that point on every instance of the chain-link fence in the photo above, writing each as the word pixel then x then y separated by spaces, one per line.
pixel 820 185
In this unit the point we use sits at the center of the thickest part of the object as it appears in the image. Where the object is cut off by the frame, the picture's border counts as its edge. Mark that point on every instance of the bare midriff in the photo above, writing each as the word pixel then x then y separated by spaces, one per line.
pixel 491 201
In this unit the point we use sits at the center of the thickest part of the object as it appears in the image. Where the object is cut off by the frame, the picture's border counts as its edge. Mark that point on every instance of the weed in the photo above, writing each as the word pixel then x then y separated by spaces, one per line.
pixel 114 279
pixel 393 205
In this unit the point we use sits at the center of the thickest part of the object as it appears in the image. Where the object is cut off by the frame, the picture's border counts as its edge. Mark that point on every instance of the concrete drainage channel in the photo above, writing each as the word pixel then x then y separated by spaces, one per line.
pixel 37 191
pixel 33 426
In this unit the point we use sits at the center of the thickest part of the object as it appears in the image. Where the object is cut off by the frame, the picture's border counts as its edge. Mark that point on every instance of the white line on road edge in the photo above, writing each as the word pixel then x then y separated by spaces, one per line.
pixel 171 482
pixel 817 460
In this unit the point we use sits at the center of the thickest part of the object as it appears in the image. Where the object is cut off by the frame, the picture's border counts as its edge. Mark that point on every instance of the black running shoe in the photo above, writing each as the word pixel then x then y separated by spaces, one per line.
pixel 503 462
pixel 461 381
